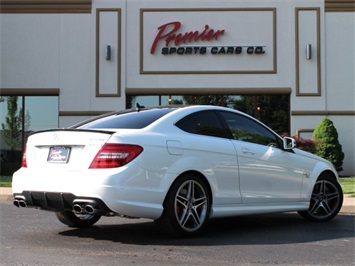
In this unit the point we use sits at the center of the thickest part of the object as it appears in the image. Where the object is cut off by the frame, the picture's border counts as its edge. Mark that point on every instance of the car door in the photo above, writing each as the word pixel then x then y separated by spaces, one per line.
pixel 268 174
pixel 210 144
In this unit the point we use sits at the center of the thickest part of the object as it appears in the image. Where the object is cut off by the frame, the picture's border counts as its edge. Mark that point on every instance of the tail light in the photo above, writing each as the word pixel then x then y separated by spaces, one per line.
pixel 24 159
pixel 114 155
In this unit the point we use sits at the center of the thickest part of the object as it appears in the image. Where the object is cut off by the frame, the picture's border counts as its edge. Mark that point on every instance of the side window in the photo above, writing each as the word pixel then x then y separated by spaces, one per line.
pixel 203 123
pixel 245 129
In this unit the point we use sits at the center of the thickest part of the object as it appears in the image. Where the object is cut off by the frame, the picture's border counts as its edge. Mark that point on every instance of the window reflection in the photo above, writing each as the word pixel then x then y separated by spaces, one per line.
pixel 41 112
pixel 19 116
pixel 11 120
pixel 272 110
pixel 153 100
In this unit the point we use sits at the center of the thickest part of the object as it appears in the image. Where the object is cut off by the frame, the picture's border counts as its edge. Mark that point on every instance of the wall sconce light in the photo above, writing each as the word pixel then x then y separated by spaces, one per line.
pixel 309 51
pixel 108 52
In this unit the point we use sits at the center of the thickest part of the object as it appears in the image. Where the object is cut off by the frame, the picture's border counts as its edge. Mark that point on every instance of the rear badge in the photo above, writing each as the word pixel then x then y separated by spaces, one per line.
pixel 58 154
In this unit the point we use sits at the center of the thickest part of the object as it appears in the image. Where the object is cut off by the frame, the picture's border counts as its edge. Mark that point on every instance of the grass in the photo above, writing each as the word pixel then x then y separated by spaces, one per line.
pixel 5 181
pixel 347 183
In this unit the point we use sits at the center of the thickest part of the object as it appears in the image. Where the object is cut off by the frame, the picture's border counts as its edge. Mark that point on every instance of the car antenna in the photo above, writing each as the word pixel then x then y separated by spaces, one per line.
pixel 139 107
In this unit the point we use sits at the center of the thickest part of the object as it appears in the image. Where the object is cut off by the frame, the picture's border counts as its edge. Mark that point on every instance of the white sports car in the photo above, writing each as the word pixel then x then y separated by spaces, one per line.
pixel 177 165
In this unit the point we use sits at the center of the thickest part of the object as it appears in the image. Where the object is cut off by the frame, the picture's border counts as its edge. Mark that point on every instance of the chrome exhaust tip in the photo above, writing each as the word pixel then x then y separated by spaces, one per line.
pixel 89 209
pixel 19 202
pixel 16 203
pixel 22 203
pixel 77 208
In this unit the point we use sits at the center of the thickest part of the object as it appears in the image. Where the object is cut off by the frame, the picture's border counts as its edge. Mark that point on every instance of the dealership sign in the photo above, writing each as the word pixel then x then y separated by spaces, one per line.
pixel 168 33
pixel 184 43
pixel 208 41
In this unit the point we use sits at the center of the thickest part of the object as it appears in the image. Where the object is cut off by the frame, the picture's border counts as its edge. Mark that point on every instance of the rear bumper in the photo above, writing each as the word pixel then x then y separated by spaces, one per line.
pixel 53 201
pixel 125 193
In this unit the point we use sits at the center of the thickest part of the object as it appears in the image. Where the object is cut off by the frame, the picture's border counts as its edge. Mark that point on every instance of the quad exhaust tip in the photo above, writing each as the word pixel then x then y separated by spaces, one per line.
pixel 89 209
pixel 82 209
pixel 78 208
pixel 20 203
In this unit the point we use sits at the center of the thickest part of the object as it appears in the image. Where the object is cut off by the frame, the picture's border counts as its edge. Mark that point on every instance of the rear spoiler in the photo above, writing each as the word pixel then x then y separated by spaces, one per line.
pixel 73 130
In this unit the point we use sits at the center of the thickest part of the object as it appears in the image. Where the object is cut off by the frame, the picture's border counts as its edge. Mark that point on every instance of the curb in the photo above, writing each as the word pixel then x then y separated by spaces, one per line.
pixel 348 203
pixel 6 198
pixel 6 194
pixel 347 209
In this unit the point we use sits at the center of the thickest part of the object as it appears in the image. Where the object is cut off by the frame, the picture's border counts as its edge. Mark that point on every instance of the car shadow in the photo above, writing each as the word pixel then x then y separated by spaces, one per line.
pixel 275 229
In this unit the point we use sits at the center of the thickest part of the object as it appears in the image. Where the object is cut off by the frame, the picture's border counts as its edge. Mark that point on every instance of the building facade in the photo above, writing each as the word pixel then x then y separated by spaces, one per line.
pixel 63 61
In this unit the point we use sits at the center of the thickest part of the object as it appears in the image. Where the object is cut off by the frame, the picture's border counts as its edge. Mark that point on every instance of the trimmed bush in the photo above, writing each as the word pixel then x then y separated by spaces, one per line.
pixel 328 146
pixel 306 144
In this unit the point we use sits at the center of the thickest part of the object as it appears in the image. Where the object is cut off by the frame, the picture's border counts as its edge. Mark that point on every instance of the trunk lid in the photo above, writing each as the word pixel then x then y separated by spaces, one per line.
pixel 67 149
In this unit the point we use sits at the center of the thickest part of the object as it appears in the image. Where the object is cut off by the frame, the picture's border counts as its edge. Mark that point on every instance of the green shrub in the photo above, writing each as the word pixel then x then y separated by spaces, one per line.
pixel 328 146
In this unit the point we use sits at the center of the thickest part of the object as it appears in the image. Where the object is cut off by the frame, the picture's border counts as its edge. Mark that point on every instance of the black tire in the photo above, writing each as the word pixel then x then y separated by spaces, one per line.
pixel 77 220
pixel 326 200
pixel 186 207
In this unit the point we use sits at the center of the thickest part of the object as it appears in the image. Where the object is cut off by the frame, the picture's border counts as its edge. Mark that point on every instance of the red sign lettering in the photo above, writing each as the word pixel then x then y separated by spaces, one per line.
pixel 168 33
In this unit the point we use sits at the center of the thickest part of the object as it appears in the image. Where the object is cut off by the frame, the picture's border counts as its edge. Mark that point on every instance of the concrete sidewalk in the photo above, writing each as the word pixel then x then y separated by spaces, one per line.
pixel 348 204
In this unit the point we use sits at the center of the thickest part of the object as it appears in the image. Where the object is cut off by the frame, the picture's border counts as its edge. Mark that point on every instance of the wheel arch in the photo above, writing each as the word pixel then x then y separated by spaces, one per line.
pixel 196 173
pixel 328 172
pixel 326 200
pixel 319 170
pixel 169 222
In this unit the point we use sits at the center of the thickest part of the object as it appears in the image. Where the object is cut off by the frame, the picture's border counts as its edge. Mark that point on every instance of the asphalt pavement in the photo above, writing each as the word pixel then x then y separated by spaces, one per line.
pixel 348 204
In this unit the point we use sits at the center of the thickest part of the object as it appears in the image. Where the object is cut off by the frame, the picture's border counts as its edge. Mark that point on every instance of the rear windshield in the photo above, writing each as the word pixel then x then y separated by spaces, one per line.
pixel 130 120
pixel 126 119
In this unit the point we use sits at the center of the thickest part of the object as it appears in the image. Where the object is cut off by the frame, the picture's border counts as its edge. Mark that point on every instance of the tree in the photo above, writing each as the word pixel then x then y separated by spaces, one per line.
pixel 12 126
pixel 175 102
pixel 219 100
pixel 27 123
pixel 272 110
pixel 129 101
pixel 328 146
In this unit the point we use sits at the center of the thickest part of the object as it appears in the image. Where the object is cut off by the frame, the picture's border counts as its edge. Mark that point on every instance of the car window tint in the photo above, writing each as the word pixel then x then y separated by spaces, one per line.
pixel 203 123
pixel 245 129
pixel 129 120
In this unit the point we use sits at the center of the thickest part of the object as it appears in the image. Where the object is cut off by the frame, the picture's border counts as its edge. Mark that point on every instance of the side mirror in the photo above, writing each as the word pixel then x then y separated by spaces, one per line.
pixel 289 143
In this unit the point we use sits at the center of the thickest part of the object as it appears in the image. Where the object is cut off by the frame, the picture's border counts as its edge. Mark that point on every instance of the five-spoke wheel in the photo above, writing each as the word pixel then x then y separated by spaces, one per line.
pixel 326 200
pixel 186 208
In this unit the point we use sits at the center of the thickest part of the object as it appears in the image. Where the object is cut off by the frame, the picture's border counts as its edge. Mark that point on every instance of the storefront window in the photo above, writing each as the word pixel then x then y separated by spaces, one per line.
pixel 20 116
pixel 42 112
pixel 154 100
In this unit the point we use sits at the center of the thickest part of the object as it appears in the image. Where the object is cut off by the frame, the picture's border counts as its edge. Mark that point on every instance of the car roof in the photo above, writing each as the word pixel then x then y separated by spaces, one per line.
pixel 146 118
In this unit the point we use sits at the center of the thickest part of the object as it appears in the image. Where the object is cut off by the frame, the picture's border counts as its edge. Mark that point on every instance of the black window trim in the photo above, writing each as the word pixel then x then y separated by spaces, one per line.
pixel 277 137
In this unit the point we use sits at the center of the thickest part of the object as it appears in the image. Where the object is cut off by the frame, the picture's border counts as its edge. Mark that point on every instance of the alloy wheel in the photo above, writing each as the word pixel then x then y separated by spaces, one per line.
pixel 325 199
pixel 191 205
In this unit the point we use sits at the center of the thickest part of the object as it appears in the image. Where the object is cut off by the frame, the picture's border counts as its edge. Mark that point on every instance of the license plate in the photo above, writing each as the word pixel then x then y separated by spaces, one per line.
pixel 58 154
